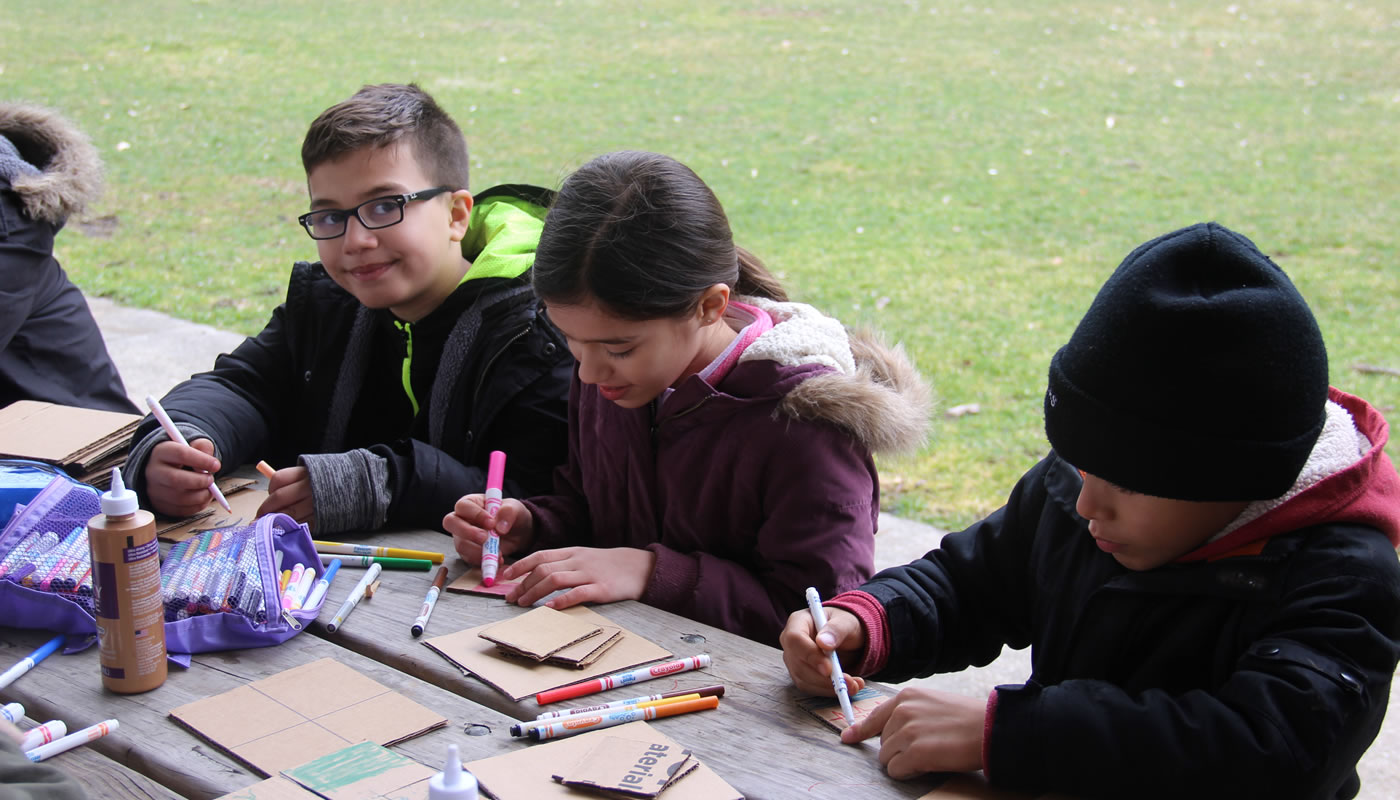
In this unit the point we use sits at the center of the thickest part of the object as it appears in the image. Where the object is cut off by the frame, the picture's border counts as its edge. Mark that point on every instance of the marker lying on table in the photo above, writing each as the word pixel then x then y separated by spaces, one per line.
pixel 573 725
pixel 524 728
pixel 12 712
pixel 707 691
pixel 622 679
pixel 323 585
pixel 491 550
pixel 419 564
pixel 71 741
pixel 27 663
pixel 838 680
pixel 50 731
pixel 428 602
pixel 355 595
pixel 342 549
pixel 179 438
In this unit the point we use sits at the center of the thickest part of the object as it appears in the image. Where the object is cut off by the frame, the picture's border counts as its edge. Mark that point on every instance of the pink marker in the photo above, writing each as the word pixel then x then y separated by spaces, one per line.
pixel 289 594
pixel 495 482
pixel 622 679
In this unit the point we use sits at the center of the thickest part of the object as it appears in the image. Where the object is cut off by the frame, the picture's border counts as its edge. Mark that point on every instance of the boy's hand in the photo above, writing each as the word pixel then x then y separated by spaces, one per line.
pixel 177 477
pixel 469 522
pixel 922 730
pixel 805 649
pixel 289 491
pixel 591 574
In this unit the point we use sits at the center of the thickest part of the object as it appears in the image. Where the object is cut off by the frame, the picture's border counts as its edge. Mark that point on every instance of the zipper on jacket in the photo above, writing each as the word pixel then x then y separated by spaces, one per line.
pixel 406 328
pixel 476 393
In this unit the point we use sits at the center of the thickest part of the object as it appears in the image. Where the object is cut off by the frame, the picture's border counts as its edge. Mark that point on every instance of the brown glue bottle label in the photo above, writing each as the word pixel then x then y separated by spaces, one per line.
pixel 127 602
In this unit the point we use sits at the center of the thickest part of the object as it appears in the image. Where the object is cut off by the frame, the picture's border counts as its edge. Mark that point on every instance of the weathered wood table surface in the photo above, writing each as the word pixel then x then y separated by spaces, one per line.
pixel 758 740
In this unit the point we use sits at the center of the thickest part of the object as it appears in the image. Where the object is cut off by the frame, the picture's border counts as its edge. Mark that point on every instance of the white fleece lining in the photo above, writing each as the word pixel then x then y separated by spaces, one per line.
pixel 800 335
pixel 1338 446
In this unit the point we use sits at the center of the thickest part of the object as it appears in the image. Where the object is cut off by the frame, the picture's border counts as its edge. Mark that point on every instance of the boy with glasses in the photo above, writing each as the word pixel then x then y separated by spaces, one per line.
pixel 400 360
pixel 1204 565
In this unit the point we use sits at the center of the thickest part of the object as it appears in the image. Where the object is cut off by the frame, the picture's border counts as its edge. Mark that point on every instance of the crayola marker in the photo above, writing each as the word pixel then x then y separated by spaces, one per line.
pixel 495 483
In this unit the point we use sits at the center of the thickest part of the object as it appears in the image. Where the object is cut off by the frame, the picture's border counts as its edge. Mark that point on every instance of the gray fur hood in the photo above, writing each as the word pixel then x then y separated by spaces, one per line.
pixel 69 169
pixel 872 389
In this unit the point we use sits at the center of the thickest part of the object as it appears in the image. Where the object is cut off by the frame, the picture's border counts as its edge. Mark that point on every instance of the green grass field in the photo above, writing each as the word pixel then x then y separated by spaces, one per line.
pixel 963 176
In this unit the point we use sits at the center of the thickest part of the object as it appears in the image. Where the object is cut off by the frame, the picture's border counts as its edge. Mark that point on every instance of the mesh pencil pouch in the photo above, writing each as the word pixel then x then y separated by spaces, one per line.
pixel 45 565
pixel 221 588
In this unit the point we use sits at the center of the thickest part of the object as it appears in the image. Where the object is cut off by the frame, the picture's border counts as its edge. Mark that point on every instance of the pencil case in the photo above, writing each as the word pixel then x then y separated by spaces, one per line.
pixel 221 588
pixel 46 575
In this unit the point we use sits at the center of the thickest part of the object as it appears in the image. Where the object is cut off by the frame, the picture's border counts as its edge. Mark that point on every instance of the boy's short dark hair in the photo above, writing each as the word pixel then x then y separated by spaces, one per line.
pixel 381 115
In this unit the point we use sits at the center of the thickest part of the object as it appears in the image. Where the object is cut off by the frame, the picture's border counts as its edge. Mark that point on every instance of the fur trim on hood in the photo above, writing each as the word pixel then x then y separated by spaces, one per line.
pixel 70 171
pixel 872 389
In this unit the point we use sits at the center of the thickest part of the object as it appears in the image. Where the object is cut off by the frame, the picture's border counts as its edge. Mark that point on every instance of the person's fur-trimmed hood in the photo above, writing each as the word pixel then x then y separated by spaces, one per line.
pixel 70 171
pixel 872 390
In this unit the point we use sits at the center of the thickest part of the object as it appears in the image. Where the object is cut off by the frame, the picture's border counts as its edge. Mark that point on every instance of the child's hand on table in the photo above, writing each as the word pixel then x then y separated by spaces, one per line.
pixel 591 575
pixel 469 522
pixel 176 481
pixel 923 730
pixel 805 649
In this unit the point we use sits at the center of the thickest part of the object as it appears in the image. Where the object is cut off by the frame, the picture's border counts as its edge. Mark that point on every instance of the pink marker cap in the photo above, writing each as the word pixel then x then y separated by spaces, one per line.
pixel 496 471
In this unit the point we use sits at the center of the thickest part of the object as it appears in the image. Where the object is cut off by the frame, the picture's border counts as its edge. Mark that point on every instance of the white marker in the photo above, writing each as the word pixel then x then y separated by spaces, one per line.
pixel 14 712
pixel 72 740
pixel 353 600
pixel 838 681
pixel 50 731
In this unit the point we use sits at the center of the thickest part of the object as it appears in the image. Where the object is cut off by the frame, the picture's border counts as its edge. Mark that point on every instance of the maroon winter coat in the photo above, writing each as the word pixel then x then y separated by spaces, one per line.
pixel 747 492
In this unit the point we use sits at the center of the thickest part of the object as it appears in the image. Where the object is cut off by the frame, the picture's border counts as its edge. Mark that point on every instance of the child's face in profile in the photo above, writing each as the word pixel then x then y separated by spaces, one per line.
pixel 409 267
pixel 630 361
pixel 1143 532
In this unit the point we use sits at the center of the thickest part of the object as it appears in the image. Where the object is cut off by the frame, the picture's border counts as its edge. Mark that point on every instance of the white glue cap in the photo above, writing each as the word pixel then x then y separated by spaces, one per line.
pixel 118 501
pixel 453 783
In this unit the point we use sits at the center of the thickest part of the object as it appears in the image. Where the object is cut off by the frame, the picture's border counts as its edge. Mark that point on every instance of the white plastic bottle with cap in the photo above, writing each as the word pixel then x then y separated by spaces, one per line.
pixel 453 783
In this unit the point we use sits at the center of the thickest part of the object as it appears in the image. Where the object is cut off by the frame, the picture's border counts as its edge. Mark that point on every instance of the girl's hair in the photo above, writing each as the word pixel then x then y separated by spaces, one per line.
pixel 641 235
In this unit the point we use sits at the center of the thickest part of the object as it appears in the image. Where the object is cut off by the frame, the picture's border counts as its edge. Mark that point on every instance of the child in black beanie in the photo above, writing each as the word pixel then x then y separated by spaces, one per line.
pixel 1204 565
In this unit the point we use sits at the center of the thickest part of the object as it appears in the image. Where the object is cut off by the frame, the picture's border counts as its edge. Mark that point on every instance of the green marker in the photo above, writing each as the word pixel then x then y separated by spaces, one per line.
pixel 419 564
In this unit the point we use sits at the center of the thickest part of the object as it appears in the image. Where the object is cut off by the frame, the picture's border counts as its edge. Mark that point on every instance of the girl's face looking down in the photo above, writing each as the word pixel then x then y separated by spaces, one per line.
pixel 633 361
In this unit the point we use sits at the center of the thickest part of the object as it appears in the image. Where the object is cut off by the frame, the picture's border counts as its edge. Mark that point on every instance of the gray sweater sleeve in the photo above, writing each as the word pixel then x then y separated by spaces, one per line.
pixel 349 491
pixel 22 779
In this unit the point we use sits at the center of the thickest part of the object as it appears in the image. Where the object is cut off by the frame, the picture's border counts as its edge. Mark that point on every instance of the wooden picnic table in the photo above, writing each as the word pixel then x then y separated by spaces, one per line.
pixel 758 740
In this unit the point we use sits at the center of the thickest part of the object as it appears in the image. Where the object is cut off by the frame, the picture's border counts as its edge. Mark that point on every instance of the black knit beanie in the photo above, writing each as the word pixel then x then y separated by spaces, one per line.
pixel 1198 373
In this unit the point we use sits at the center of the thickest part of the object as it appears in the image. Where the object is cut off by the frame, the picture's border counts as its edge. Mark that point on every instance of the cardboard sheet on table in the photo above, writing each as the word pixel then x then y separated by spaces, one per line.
pixel 828 709
pixel 540 633
pixel 64 435
pixel 528 774
pixel 241 497
pixel 627 768
pixel 364 771
pixel 469 582
pixel 518 679
pixel 303 713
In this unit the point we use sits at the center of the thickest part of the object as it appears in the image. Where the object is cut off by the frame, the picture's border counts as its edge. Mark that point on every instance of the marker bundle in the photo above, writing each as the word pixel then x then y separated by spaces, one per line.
pixel 44 547
pixel 217 571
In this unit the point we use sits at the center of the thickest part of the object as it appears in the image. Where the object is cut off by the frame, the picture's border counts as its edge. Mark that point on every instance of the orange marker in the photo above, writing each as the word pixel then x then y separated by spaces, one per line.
pixel 520 728
pixel 592 722
pixel 266 469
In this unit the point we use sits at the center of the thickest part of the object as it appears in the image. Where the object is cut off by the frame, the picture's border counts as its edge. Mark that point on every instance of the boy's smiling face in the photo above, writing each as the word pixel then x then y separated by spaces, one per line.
pixel 408 268
pixel 1144 532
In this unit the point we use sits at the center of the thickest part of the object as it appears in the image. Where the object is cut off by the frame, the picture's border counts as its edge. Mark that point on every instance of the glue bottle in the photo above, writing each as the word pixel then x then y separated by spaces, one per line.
pixel 126 592
pixel 453 783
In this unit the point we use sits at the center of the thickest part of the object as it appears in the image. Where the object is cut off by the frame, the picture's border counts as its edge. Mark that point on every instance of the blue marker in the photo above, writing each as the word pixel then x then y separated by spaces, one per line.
pixel 27 663
pixel 323 585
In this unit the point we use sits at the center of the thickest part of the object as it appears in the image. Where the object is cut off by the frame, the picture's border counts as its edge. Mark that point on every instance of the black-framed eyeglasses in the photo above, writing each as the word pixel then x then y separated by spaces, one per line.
pixel 381 212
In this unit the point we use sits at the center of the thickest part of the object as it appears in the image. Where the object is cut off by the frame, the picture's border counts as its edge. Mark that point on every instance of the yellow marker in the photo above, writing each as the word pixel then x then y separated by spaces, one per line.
pixel 282 586
pixel 341 549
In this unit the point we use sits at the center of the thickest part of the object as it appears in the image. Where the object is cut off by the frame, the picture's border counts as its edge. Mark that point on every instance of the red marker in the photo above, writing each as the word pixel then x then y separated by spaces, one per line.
pixel 495 483
pixel 622 679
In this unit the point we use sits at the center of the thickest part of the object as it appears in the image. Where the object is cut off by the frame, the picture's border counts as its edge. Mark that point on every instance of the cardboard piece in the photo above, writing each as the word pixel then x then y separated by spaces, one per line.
pixel 828 709
pixel 469 582
pixel 363 771
pixel 518 679
pixel 539 633
pixel 243 499
pixel 584 653
pixel 85 442
pixel 527 774
pixel 627 768
pixel 303 713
